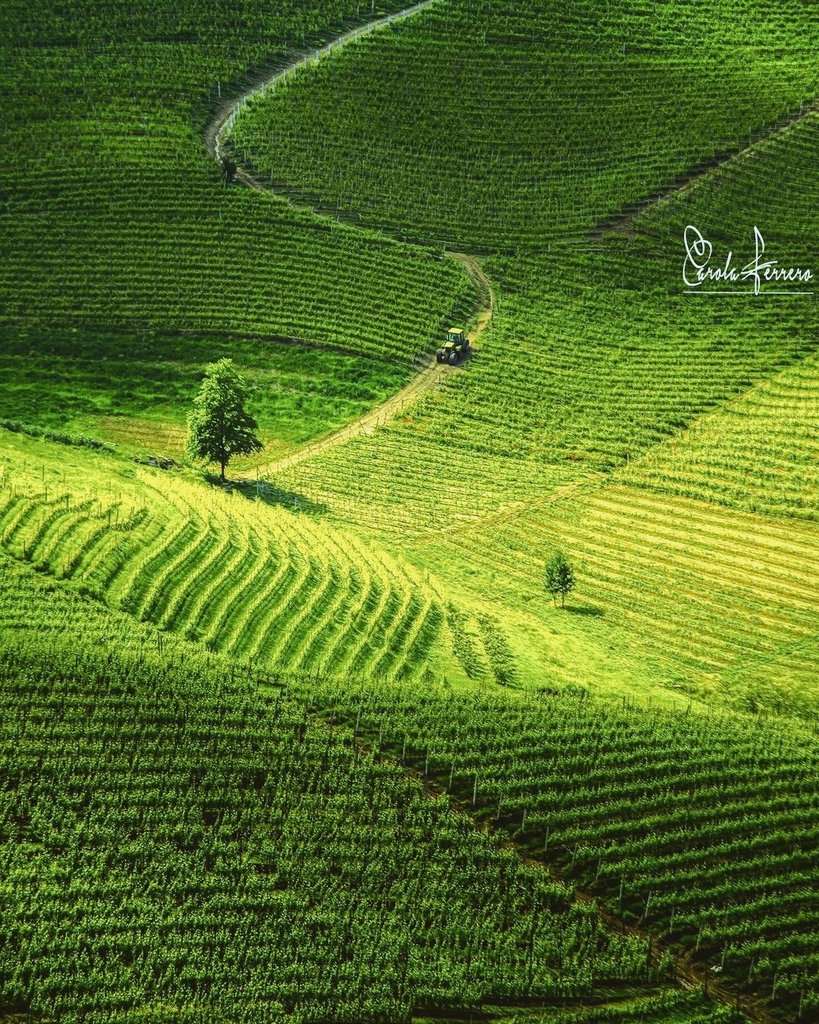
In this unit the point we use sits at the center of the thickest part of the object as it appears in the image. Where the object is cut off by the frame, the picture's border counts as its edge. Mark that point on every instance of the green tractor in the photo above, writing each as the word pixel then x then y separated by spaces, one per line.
pixel 455 348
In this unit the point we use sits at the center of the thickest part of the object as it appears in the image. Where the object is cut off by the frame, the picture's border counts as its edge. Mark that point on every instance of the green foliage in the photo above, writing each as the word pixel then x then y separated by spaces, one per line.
pixel 498 650
pixel 179 846
pixel 559 577
pixel 463 645
pixel 219 425
pixel 514 124
pixel 176 845
pixel 58 436
pixel 702 829
pixel 117 217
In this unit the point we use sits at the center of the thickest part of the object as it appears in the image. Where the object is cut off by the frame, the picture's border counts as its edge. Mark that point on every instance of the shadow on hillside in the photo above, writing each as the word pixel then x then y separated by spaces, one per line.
pixel 271 494
pixel 585 609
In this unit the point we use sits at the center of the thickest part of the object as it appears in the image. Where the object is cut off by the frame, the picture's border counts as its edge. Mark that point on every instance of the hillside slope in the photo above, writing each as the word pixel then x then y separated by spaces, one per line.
pixel 503 124
pixel 176 845
pixel 117 221
pixel 596 365
pixel 261 582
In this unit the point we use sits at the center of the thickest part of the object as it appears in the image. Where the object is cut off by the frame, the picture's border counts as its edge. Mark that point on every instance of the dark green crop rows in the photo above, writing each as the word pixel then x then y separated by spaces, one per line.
pixel 704 830
pixel 114 214
pixel 506 124
pixel 174 844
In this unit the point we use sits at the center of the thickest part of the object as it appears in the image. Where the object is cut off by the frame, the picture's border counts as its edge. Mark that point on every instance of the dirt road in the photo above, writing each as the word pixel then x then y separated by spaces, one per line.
pixel 223 118
pixel 430 376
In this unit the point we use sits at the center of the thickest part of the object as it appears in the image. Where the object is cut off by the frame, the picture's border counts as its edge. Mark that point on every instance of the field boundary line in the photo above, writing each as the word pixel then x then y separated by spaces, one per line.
pixel 624 220
pixel 685 972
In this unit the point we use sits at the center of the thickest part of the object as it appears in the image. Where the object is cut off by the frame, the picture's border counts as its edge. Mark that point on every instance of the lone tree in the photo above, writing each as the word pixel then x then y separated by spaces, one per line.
pixel 559 577
pixel 219 426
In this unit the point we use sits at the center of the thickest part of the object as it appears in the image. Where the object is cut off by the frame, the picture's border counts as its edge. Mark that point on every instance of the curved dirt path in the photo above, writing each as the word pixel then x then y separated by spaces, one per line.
pixel 227 112
pixel 431 375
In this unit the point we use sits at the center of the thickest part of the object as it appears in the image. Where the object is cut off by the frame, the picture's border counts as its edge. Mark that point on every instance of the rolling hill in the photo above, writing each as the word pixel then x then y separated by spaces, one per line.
pixel 317 745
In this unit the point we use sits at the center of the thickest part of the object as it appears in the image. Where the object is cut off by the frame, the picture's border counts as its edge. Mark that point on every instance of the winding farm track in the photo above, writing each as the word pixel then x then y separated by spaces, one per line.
pixel 228 111
pixel 430 374
pixel 687 973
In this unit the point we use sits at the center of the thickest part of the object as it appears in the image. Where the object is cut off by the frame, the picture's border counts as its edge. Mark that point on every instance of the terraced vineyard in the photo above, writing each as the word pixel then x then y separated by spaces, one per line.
pixel 702 829
pixel 599 372
pixel 187 841
pixel 118 220
pixel 505 124
pixel 260 583
pixel 725 457
pixel 769 185
pixel 316 745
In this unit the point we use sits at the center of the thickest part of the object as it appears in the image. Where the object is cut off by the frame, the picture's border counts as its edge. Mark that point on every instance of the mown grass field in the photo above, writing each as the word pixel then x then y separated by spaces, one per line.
pixel 317 746
pixel 133 390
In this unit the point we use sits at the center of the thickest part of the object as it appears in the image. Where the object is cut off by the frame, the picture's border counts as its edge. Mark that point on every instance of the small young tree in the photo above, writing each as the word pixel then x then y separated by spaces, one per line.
pixel 219 426
pixel 559 577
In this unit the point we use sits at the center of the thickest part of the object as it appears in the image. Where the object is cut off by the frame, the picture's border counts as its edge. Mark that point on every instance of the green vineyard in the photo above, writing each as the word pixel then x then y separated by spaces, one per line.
pixel 257 582
pixel 176 863
pixel 496 125
pixel 349 678
pixel 119 220
pixel 703 829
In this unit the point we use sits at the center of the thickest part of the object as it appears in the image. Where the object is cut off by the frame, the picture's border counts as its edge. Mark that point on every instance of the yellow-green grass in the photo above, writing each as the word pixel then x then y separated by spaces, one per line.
pixel 718 605
pixel 759 453
pixel 254 580
pixel 481 481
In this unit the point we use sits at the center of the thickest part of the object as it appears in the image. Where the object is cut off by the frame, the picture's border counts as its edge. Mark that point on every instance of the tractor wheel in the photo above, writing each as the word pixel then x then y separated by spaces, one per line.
pixel 453 359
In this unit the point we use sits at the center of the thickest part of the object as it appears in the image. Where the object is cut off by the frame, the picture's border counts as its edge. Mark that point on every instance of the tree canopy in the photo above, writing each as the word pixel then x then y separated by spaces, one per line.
pixel 219 425
pixel 559 577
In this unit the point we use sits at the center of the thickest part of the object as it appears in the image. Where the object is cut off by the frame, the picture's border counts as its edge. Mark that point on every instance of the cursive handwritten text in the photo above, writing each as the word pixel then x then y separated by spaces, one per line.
pixel 699 269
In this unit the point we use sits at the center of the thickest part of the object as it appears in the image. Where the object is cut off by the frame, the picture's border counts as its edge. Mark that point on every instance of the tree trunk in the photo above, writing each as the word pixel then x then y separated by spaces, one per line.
pixel 223 463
